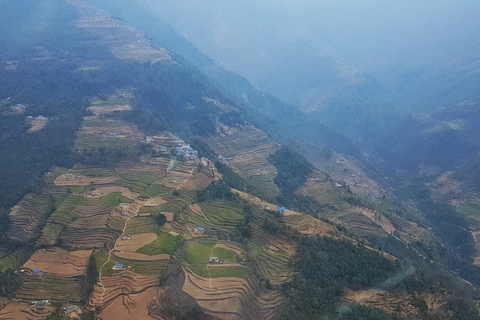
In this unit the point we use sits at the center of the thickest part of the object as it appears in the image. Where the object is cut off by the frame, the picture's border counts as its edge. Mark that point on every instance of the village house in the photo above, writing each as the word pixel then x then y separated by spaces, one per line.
pixel 118 266
pixel 149 138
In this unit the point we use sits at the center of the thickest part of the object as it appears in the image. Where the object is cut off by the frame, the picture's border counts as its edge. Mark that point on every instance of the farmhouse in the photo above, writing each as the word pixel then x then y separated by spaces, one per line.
pixel 118 266
pixel 149 138
pixel 40 117
pixel 282 209
pixel 96 193
pixel 214 260
pixel 112 134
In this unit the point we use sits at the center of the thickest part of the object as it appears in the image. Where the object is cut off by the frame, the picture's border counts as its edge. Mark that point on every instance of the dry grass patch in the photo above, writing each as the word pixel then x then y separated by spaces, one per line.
pixel 81 180
pixel 124 191
pixel 98 110
pixel 37 125
pixel 154 202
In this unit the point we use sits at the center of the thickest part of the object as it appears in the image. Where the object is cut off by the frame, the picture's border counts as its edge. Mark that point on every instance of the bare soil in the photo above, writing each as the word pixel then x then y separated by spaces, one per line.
pixel 59 261
pixel 136 242
pixel 140 256
pixel 131 306
pixel 168 215
pixel 24 311
pixel 37 125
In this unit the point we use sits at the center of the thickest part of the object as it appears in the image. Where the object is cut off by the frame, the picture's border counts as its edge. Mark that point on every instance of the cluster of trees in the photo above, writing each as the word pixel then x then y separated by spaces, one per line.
pixel 230 177
pixel 324 266
pixel 102 156
pixel 215 191
pixel 293 171
pixel 92 275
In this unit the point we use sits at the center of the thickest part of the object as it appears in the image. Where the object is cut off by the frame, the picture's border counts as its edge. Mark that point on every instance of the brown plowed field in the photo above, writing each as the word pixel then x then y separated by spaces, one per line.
pixel 59 261
pixel 218 295
pixel 81 180
pixel 136 242
pixel 195 208
pixel 24 311
pixel 232 298
pixel 37 125
pixel 140 256
pixel 131 306
pixel 169 216
pixel 123 282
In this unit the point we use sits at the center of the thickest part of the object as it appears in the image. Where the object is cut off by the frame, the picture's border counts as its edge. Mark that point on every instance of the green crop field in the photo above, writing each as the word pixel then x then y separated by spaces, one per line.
pixel 197 254
pixel 222 213
pixel 156 190
pixel 165 243
pixel 111 102
pixel 139 225
pixel 470 209
pixel 225 254
pixel 263 186
pixel 230 272
pixel 14 260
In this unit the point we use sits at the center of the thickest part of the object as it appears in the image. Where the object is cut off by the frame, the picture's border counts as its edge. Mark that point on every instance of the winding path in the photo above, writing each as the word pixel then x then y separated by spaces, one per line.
pixel 109 258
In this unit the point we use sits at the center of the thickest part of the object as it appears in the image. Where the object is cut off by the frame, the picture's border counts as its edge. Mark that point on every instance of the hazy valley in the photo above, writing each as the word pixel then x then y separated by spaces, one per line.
pixel 144 180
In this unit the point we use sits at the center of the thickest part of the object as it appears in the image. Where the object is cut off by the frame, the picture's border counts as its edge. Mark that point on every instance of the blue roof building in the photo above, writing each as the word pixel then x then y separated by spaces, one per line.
pixel 281 209
pixel 118 265
pixel 201 229
pixel 37 271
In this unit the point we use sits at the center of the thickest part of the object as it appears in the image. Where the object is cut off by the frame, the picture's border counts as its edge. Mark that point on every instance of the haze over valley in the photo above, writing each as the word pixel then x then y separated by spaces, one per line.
pixel 239 160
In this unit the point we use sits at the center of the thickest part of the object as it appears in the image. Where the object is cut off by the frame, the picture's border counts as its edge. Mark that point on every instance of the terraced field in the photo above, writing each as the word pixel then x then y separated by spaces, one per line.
pixel 226 259
pixel 247 151
pixel 122 40
pixel 24 310
pixel 51 287
pixel 59 261
pixel 28 216
pixel 231 298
